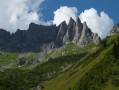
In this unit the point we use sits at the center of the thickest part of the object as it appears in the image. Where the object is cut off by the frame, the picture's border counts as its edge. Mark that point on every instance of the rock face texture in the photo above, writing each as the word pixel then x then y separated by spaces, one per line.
pixel 31 40
pixel 68 37
pixel 4 37
pixel 77 32
pixel 39 38
pixel 60 35
pixel 114 30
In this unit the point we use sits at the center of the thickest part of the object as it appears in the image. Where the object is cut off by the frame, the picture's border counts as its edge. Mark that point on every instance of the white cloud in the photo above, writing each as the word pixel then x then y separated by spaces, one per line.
pixel 100 24
pixel 16 14
pixel 63 14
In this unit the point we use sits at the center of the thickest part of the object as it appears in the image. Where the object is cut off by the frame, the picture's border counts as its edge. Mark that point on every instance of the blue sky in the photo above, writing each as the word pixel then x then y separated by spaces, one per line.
pixel 108 6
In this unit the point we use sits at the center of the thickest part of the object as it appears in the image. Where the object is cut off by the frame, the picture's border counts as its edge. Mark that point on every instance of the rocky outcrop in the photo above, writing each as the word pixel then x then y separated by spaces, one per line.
pixel 78 33
pixel 39 33
pixel 78 30
pixel 39 38
pixel 70 32
pixel 96 39
pixel 31 40
pixel 114 30
pixel 60 35
pixel 4 37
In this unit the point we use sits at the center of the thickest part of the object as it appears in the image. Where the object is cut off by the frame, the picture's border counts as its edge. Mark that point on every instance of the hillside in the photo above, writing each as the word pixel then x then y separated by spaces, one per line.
pixel 98 70
pixel 39 43
pixel 94 67
pixel 59 45
pixel 45 70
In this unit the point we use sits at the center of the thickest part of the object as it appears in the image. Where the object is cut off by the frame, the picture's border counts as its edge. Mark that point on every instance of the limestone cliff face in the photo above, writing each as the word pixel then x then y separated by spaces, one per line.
pixel 96 39
pixel 39 38
pixel 4 36
pixel 78 30
pixel 86 36
pixel 114 30
pixel 70 32
pixel 39 33
pixel 32 40
pixel 60 35
pixel 78 33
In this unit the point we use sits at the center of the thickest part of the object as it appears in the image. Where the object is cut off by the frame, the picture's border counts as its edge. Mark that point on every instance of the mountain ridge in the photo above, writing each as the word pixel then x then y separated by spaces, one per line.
pixel 88 68
pixel 37 36
pixel 77 32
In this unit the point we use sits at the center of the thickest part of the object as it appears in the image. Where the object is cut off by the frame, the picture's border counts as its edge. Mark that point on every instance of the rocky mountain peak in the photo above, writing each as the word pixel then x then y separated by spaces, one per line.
pixel 44 38
pixel 63 24
pixel 78 21
pixel 96 39
pixel 69 32
pixel 78 33
pixel 4 36
pixel 114 30
pixel 71 22
pixel 85 25
pixel 60 35
pixel 32 26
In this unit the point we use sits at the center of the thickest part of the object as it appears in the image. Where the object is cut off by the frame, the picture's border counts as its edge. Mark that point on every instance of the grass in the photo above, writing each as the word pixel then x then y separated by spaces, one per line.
pixel 70 78
pixel 109 86
pixel 7 58
pixel 27 58
pixel 10 60
pixel 97 70
pixel 72 48
pixel 68 49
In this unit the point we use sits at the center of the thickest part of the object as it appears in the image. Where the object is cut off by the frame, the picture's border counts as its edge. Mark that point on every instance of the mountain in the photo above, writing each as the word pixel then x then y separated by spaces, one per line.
pixel 40 38
pixel 98 70
pixel 32 46
pixel 35 44
pixel 28 40
pixel 92 67
pixel 43 53
pixel 77 32
pixel 114 30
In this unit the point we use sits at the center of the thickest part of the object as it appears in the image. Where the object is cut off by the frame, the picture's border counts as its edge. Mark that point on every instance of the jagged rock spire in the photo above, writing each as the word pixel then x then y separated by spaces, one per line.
pixel 78 33
pixel 61 33
pixel 71 21
pixel 85 25
pixel 70 31
pixel 78 21
pixel 78 30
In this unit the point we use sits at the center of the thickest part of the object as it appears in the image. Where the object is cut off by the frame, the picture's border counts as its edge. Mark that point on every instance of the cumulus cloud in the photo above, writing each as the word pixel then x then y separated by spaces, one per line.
pixel 63 14
pixel 16 14
pixel 100 24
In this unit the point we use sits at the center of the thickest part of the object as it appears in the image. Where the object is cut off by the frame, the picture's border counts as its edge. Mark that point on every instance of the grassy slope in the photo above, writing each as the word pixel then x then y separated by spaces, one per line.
pixel 72 48
pixel 66 80
pixel 70 78
pixel 110 87
pixel 10 60
pixel 30 78
pixel 68 49
pixel 79 75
